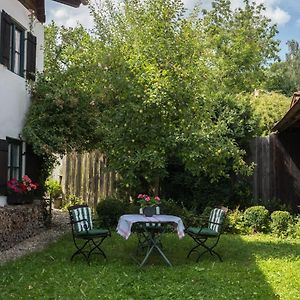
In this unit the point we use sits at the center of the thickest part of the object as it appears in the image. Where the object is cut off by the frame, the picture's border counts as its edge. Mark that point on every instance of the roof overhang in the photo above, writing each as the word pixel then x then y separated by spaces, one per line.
pixel 38 6
pixel 291 119
pixel 74 3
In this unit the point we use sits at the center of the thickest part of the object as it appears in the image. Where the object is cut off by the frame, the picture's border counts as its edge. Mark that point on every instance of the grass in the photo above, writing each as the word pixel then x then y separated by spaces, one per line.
pixel 254 267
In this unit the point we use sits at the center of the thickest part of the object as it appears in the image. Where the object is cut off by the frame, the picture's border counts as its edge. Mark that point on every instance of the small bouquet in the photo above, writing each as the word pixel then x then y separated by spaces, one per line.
pixel 146 200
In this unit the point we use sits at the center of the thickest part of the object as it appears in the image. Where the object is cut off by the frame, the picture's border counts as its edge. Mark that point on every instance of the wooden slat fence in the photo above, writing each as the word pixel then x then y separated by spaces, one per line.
pixel 85 176
pixel 277 171
pixel 276 175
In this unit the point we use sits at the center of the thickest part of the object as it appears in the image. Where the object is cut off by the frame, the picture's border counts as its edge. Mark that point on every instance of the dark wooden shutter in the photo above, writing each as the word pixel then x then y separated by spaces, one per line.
pixel 5 38
pixel 33 164
pixel 3 165
pixel 31 56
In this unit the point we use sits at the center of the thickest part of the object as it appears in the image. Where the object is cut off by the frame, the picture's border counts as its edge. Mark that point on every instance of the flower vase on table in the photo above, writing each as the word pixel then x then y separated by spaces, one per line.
pixel 148 204
pixel 149 211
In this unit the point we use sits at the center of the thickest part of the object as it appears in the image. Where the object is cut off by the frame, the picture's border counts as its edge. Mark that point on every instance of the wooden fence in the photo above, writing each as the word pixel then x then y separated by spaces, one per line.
pixel 85 176
pixel 277 172
pixel 276 175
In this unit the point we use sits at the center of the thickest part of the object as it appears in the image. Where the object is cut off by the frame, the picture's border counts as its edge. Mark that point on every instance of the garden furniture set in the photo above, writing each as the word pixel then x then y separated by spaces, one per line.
pixel 149 230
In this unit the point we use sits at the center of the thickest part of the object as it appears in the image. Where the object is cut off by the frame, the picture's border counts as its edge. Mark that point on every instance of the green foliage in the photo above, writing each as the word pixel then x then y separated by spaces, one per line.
pixel 53 188
pixel 71 200
pixel 234 221
pixel 256 219
pixel 284 76
pixel 280 222
pixel 62 116
pixel 297 227
pixel 152 83
pixel 109 211
pixel 275 204
pixel 268 109
pixel 197 192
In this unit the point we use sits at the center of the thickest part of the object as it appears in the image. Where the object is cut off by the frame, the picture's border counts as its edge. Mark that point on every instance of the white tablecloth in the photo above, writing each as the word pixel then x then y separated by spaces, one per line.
pixel 126 221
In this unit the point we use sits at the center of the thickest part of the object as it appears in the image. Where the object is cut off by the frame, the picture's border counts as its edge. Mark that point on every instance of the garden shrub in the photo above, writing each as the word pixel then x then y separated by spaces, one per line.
pixel 109 211
pixel 71 200
pixel 170 207
pixel 280 222
pixel 53 188
pixel 297 227
pixel 234 221
pixel 294 227
pixel 256 219
pixel 188 216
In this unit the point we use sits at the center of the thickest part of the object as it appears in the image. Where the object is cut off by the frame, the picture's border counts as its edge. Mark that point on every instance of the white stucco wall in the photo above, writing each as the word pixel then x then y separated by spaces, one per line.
pixel 14 98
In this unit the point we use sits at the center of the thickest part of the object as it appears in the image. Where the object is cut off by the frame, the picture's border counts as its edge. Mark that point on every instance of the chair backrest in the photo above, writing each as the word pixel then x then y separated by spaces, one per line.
pixel 216 219
pixel 81 217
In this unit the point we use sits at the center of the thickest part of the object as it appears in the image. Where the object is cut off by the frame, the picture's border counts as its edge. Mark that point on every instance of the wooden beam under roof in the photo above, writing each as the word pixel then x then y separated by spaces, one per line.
pixel 38 6
pixel 291 120
pixel 74 3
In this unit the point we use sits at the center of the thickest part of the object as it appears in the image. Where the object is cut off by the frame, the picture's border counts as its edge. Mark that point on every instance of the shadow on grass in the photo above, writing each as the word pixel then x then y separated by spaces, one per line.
pixel 51 275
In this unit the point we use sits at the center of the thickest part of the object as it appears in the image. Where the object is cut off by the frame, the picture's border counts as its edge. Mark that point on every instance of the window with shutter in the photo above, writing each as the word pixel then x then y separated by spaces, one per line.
pixel 31 56
pixel 14 158
pixel 6 25
pixel 12 44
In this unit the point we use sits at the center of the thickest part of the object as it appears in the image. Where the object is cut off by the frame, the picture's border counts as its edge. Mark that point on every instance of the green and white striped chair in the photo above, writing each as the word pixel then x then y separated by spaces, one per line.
pixel 87 239
pixel 202 234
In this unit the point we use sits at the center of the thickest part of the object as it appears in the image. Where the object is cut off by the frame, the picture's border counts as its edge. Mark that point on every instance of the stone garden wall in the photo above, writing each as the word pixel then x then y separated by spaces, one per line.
pixel 18 223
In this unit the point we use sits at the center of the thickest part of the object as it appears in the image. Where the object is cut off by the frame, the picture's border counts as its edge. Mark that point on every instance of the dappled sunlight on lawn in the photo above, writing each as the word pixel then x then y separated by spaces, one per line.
pixel 279 261
pixel 250 271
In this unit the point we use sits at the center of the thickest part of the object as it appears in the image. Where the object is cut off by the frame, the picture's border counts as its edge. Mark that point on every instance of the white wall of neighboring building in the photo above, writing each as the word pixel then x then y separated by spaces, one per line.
pixel 14 97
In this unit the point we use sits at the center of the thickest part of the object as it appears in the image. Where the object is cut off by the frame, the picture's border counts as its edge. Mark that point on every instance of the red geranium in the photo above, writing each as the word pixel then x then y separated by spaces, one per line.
pixel 23 186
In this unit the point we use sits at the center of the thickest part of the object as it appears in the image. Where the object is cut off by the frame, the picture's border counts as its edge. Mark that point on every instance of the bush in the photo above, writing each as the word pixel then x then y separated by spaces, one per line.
pixel 170 207
pixel 234 221
pixel 294 228
pixel 281 221
pixel 53 188
pixel 109 211
pixel 71 200
pixel 256 219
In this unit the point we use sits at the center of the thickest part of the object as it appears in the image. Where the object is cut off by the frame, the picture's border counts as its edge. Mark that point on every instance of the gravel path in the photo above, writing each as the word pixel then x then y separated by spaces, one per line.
pixel 38 242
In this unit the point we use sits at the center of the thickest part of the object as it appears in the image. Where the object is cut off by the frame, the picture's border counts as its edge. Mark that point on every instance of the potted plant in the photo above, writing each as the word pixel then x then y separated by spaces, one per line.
pixel 20 191
pixel 54 191
pixel 148 204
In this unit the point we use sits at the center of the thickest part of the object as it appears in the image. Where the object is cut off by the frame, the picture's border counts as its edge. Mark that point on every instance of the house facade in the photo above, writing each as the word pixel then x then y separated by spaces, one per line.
pixel 21 56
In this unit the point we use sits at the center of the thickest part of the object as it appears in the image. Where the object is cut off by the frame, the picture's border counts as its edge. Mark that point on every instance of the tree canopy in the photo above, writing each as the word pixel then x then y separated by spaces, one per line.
pixel 151 83
pixel 284 76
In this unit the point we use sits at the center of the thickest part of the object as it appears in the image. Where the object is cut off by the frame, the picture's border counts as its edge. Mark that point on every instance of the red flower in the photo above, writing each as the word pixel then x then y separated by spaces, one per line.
pixel 21 186
pixel 146 200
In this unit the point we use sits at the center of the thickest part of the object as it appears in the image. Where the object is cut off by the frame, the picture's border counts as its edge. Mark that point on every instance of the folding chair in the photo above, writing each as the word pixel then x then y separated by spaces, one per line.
pixel 202 235
pixel 87 239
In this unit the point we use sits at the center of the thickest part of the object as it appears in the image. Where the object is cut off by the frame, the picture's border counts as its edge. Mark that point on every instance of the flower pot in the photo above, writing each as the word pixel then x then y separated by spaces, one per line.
pixel 14 199
pixel 149 211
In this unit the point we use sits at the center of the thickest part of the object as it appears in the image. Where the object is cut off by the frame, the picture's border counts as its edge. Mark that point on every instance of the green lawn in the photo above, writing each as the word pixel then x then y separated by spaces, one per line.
pixel 254 267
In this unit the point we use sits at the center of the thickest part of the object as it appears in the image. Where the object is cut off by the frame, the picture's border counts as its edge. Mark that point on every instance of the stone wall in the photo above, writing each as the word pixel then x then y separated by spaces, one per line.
pixel 18 223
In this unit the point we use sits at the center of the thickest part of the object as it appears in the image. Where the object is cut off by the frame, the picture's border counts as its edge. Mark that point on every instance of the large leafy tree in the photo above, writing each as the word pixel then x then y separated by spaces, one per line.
pixel 268 108
pixel 151 84
pixel 284 76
